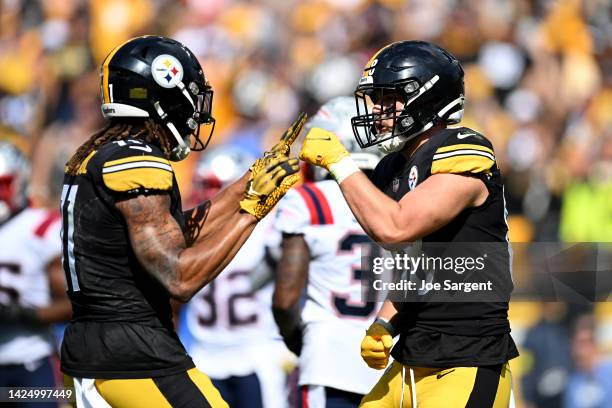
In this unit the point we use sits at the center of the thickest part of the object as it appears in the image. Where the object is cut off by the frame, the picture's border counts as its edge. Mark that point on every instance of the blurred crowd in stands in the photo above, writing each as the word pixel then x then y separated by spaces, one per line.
pixel 538 84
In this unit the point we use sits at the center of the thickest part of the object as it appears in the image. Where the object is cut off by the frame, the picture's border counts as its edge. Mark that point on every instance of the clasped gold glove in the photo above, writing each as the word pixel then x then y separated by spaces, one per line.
pixel 376 346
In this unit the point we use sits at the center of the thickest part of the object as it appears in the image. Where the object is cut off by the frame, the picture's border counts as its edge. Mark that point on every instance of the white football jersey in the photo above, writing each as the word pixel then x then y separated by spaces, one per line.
pixel 335 318
pixel 228 329
pixel 28 242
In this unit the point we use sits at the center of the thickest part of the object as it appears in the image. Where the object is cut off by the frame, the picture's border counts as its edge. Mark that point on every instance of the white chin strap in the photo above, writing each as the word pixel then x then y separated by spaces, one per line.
pixel 397 143
pixel 181 150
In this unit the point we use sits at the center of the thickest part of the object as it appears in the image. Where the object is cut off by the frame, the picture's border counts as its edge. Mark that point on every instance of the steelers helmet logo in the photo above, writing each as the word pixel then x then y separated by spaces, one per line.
pixel 413 177
pixel 167 71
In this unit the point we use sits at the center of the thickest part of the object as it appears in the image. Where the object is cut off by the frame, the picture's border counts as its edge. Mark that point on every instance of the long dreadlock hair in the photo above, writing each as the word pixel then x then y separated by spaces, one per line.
pixel 147 130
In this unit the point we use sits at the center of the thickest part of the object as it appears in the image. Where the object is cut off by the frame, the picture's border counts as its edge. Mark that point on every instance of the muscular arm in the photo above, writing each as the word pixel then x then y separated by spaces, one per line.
pixel 208 217
pixel 60 309
pixel 162 248
pixel 388 310
pixel 291 276
pixel 430 206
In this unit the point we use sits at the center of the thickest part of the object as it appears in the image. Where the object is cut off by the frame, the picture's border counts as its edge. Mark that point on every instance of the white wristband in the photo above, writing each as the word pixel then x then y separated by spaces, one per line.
pixel 344 168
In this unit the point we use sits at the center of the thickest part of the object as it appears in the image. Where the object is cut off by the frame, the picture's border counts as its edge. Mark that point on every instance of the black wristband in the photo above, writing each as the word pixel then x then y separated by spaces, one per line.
pixel 387 325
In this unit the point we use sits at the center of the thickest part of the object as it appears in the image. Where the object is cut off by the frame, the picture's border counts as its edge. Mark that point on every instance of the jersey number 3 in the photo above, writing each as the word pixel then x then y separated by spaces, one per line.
pixel 342 303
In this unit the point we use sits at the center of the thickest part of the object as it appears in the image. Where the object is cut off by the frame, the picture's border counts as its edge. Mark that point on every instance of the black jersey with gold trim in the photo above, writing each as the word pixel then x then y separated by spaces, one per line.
pixel 451 333
pixel 122 319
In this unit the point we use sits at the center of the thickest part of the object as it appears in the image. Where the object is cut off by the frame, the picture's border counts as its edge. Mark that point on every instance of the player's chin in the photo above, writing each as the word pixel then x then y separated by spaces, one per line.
pixel 383 129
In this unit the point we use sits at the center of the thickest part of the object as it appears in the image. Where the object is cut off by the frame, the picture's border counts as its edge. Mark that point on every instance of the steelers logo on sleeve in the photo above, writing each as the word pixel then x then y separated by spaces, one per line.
pixel 413 177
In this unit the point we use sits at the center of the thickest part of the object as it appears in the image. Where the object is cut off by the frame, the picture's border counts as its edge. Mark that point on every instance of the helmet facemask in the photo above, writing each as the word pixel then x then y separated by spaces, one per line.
pixel 398 118
pixel 188 126
pixel 391 127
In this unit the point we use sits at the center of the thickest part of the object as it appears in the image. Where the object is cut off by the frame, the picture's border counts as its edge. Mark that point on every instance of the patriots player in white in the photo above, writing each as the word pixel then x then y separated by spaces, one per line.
pixel 321 250
pixel 227 327
pixel 32 290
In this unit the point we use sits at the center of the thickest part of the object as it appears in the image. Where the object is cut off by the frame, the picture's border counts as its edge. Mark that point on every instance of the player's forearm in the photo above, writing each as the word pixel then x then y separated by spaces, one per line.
pixel 389 317
pixel 202 262
pixel 161 248
pixel 224 204
pixel 291 276
pixel 388 311
pixel 292 273
pixel 58 311
pixel 374 211
pixel 208 217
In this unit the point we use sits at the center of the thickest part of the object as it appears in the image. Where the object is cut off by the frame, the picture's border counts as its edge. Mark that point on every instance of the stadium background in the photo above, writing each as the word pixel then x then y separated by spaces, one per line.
pixel 538 84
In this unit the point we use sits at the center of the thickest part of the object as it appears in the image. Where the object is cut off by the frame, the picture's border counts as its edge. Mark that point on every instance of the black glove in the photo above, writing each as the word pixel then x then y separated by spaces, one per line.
pixel 293 341
pixel 290 327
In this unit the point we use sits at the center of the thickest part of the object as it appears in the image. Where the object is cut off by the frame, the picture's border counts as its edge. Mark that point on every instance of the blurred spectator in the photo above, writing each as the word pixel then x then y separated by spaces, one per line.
pixel 538 71
pixel 32 291
pixel 546 359
pixel 590 386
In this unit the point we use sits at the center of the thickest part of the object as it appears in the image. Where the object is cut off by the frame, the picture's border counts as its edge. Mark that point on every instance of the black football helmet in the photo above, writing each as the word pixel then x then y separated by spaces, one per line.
pixel 158 78
pixel 423 78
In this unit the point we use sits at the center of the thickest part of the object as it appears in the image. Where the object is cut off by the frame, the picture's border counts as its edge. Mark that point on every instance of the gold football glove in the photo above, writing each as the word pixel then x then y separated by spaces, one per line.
pixel 267 186
pixel 376 346
pixel 283 147
pixel 322 148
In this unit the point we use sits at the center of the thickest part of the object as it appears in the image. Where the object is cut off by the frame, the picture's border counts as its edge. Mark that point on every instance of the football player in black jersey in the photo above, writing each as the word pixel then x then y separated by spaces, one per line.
pixel 435 185
pixel 128 247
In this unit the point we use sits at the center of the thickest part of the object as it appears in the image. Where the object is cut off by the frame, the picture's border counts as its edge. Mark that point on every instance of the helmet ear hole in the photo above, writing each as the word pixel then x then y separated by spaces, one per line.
pixel 407 121
pixel 193 88
pixel 411 86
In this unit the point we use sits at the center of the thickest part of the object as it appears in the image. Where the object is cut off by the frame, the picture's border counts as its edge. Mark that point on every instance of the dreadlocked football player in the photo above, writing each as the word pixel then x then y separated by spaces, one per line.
pixel 127 245
pixel 435 185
